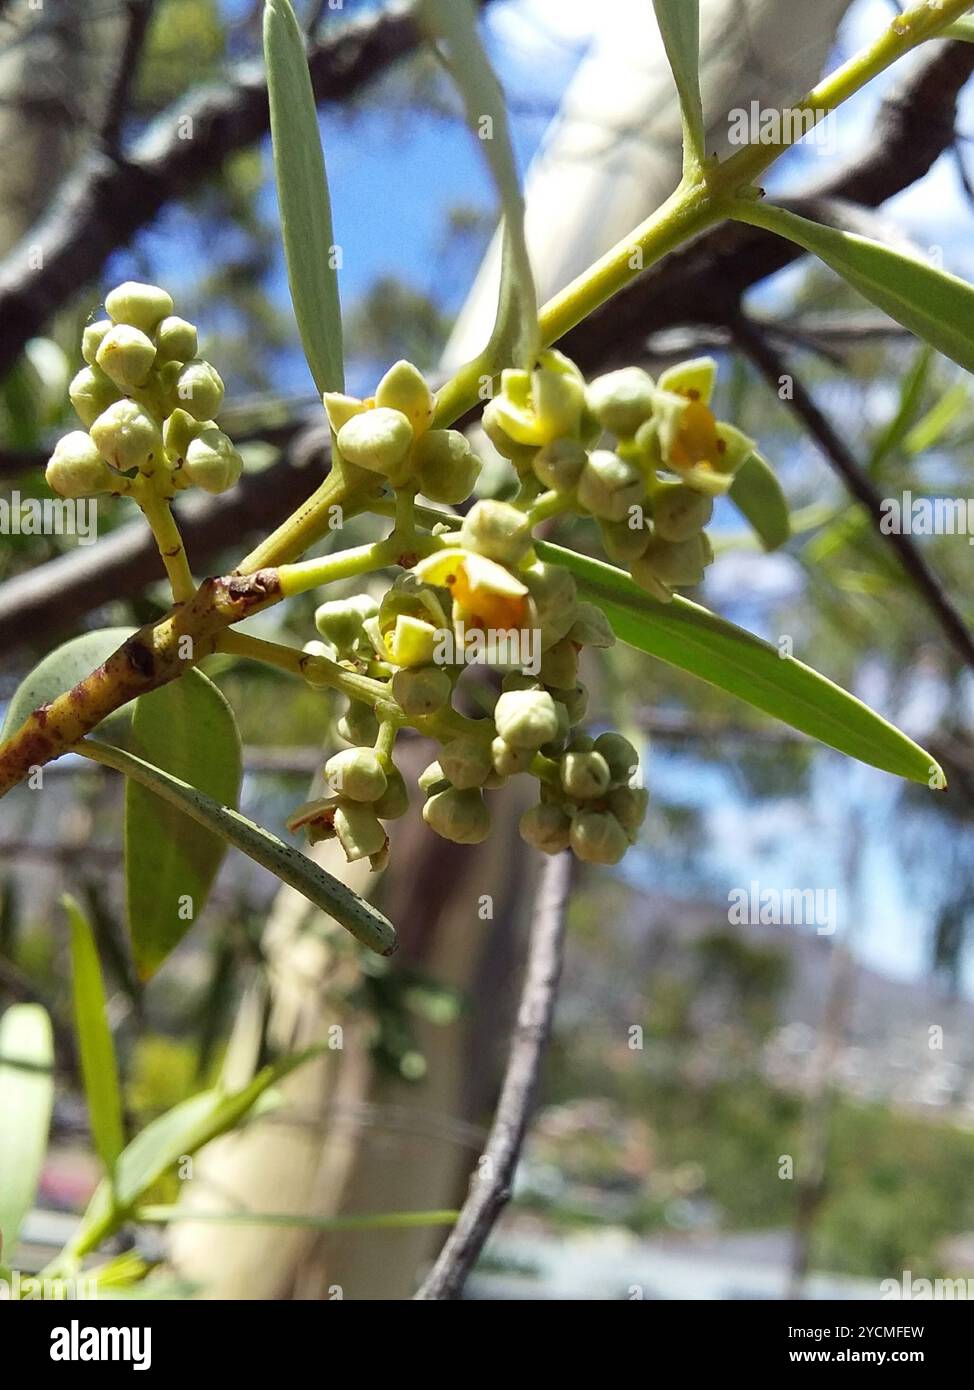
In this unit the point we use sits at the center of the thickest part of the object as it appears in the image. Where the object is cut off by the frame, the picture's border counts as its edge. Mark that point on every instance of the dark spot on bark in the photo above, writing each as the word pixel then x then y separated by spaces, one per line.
pixel 140 658
pixel 253 588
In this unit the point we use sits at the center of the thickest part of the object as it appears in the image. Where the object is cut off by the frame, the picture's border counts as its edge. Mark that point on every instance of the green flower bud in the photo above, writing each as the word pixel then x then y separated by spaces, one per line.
pixel 358 724
pixel 629 806
pixel 160 392
pixel 356 773
pixel 178 433
pixel 126 355
pixel 546 827
pixel 421 690
pixel 379 440
pixel 91 339
pixel 559 665
pixel 623 540
pixel 619 754
pixel 674 562
pixel 394 801
pixel 447 468
pixel 554 747
pixel 559 464
pixel 598 838
pixel 176 340
pixel 591 627
pixel 497 530
pixel 412 641
pixel 340 622
pixel 526 718
pixel 127 437
pixel 340 408
pixel 521 455
pixel 432 778
pixel 680 512
pixel 508 761
pixel 460 816
pixel 91 392
pixel 359 830
pixel 516 680
pixel 199 389
pixel 585 775
pixel 404 388
pixel 553 590
pixel 311 675
pixel 622 400
pixel 693 379
pixel 466 761
pixel 212 462
pixel 609 486
pixel 575 702
pixel 580 742
pixel 536 407
pixel 141 306
pixel 77 469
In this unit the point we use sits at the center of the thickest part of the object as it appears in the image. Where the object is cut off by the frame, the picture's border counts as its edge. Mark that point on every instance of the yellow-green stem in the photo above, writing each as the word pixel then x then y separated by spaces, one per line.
pixel 158 514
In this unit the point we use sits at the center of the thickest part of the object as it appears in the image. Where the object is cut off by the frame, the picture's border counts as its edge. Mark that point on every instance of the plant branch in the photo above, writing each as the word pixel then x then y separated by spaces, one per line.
pixel 137 27
pixel 493 1180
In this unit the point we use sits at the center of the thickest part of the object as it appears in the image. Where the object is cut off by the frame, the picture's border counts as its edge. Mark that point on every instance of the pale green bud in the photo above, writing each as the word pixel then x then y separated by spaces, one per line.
pixel 394 801
pixel 312 675
pixel 404 388
pixel 356 773
pixel 127 437
pixel 447 468
pixel 622 400
pixel 674 562
pixel 609 486
pixel 508 761
pixel 585 775
pixel 521 455
pixel 212 462
pixel 624 541
pixel 559 464
pixel 358 724
pixel 91 339
pixel 575 702
pixel 629 806
pixel 378 440
pixel 126 355
pixel 680 512
pixel 176 340
pixel 199 388
pixel 460 816
pixel 598 838
pixel 340 408
pixel 77 469
pixel 555 746
pixel 526 718
pixel 359 830
pixel 619 754
pixel 432 778
pixel 466 761
pixel 497 530
pixel 178 433
pixel 517 680
pixel 340 622
pixel 546 827
pixel 91 392
pixel 559 665
pixel 422 690
pixel 142 306
pixel 553 591
pixel 591 627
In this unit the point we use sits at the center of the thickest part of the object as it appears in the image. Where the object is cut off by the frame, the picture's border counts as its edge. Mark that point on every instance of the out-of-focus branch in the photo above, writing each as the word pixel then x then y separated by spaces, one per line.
pixel 492 1182
pixel 116 109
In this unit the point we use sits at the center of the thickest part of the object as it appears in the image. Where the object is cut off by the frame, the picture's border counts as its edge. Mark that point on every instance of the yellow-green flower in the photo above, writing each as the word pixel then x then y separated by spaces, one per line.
pixel 684 434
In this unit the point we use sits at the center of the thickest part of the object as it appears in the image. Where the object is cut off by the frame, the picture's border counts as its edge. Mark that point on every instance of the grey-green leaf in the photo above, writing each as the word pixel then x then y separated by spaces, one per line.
pixel 515 333
pixel 60 670
pixel 935 305
pixel 26 1098
pixel 302 192
pixel 757 495
pixel 365 922
pixel 679 25
pixel 695 640
pixel 98 1062
pixel 188 729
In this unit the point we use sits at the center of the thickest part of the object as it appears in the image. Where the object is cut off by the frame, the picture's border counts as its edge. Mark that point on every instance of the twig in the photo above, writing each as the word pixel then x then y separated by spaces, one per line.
pixel 773 367
pixel 116 108
pixel 491 1186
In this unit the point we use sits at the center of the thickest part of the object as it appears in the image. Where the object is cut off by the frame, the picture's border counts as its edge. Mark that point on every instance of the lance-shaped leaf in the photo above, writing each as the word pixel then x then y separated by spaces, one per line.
pixel 26 1098
pixel 376 1221
pixel 61 669
pixel 695 640
pixel 679 25
pixel 935 305
pixel 365 922
pixel 98 1063
pixel 757 495
pixel 515 334
pixel 188 729
pixel 302 194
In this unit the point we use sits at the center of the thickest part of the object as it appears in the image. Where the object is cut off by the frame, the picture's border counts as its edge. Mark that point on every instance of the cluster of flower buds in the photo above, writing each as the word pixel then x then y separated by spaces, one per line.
pixel 605 446
pixel 147 402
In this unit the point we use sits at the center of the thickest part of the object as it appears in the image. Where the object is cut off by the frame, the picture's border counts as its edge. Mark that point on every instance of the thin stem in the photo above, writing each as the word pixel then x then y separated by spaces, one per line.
pixel 317 670
pixel 324 511
pixel 549 504
pixel 326 569
pixel 158 514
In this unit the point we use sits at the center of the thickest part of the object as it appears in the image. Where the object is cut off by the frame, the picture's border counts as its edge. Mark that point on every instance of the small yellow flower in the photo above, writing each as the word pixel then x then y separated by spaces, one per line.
pixel 488 594
pixel 686 437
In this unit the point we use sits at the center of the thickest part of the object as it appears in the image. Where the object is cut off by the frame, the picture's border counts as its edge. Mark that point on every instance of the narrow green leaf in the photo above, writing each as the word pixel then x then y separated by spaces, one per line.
pixel 931 428
pixel 689 637
pixel 679 25
pixel 188 729
pixel 935 305
pixel 302 193
pixel 26 1098
pixel 515 334
pixel 962 29
pixel 378 1221
pixel 98 1062
pixel 365 922
pixel 757 495
pixel 911 395
pixel 59 671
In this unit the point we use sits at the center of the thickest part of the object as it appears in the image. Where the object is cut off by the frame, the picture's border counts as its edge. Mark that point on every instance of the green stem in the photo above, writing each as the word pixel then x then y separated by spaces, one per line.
pixel 550 504
pixel 345 564
pixel 162 523
pixel 317 670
